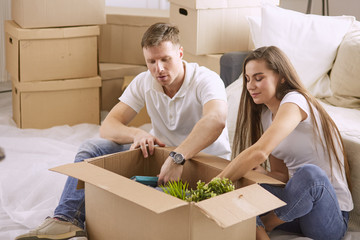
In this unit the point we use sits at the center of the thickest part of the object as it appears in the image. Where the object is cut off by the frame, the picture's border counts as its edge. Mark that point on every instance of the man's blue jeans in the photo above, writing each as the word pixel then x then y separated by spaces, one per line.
pixel 312 207
pixel 72 202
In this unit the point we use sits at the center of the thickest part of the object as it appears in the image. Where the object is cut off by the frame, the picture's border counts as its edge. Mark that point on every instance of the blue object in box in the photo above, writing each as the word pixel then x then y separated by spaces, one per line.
pixel 146 180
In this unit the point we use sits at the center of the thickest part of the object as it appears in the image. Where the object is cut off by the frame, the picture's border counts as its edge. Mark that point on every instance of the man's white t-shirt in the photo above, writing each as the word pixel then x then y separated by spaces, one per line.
pixel 302 147
pixel 173 118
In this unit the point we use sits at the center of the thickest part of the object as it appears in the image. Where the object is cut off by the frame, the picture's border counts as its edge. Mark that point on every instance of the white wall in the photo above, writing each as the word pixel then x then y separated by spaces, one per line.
pixel 336 7
pixel 4 15
pixel 160 4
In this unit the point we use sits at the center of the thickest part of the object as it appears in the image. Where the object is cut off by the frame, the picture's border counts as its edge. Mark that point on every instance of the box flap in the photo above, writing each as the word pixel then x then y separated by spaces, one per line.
pixel 123 187
pixel 117 70
pixel 58 84
pixel 209 4
pixel 236 206
pixel 50 33
pixel 257 177
pixel 135 16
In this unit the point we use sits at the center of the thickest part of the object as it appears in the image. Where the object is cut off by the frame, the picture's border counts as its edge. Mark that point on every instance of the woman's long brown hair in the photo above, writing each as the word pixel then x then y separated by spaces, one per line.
pixel 248 125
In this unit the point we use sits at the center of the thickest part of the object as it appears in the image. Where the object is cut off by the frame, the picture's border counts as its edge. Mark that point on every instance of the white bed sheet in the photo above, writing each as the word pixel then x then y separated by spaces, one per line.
pixel 29 192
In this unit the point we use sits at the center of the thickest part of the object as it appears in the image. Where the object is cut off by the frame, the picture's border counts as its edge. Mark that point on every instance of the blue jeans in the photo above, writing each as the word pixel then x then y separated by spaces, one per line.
pixel 72 202
pixel 312 207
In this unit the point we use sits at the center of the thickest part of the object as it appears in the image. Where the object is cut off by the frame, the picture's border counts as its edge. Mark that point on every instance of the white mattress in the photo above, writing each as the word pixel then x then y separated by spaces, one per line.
pixel 29 192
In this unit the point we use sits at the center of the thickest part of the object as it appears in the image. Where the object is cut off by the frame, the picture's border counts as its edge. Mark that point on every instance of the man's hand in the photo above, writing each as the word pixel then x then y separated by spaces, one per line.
pixel 143 139
pixel 170 171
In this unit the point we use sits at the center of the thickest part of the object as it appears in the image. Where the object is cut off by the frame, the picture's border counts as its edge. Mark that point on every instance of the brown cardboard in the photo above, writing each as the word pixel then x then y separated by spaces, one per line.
pixel 211 61
pixel 57 13
pixel 130 210
pixel 213 27
pixel 112 76
pixel 120 37
pixel 49 103
pixel 51 53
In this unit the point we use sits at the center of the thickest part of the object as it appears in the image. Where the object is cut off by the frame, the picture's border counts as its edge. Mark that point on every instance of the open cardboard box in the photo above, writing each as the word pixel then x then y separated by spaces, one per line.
pixel 120 208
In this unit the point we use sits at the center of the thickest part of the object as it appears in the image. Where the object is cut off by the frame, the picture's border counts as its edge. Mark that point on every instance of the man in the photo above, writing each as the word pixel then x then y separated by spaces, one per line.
pixel 188 109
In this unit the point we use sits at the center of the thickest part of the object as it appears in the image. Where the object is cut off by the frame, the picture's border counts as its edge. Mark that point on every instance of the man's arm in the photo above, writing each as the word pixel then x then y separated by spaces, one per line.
pixel 204 133
pixel 114 127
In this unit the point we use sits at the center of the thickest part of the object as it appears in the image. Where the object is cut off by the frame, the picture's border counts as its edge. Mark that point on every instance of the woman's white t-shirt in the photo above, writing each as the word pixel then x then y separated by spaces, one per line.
pixel 173 118
pixel 302 147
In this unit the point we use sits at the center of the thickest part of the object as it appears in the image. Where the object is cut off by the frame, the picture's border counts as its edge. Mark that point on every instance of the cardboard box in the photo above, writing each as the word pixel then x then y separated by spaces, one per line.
pixel 120 38
pixel 119 208
pixel 49 103
pixel 57 13
pixel 112 76
pixel 216 26
pixel 211 61
pixel 51 53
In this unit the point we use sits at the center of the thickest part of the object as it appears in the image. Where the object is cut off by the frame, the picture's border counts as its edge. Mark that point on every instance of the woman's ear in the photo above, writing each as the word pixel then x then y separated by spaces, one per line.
pixel 282 80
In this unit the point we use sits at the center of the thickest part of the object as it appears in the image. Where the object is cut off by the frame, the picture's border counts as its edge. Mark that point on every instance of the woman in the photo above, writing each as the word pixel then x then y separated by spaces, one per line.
pixel 280 121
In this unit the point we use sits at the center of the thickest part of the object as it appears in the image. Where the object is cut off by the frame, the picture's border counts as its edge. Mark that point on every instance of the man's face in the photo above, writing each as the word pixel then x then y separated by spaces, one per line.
pixel 165 63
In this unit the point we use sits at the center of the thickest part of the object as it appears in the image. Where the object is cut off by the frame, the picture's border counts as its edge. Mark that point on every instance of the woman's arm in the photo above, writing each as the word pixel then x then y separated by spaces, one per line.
pixel 288 116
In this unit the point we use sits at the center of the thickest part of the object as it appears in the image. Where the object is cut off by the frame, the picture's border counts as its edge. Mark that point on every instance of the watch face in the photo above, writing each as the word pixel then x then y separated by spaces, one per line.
pixel 179 158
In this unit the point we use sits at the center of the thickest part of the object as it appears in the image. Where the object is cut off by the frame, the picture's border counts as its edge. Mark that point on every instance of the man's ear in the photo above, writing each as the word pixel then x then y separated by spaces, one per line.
pixel 181 50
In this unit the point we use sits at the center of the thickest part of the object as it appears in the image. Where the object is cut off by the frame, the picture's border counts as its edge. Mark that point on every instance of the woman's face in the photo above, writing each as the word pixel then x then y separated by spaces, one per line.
pixel 261 82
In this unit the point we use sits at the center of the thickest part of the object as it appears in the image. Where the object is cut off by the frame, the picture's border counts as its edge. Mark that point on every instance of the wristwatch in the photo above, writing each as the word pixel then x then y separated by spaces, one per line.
pixel 177 157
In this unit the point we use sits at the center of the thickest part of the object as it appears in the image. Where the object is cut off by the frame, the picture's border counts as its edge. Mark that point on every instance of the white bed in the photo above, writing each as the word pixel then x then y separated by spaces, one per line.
pixel 29 192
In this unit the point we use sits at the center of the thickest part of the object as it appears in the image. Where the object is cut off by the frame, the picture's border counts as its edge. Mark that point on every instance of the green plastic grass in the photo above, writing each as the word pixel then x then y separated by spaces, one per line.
pixel 203 191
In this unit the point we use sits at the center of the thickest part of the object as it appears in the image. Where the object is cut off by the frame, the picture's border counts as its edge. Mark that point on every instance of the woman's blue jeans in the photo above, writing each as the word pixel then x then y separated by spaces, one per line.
pixel 312 207
pixel 72 202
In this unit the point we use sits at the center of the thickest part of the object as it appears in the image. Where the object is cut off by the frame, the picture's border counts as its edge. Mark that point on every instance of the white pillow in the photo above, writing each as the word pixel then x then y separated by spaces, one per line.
pixel 345 74
pixel 310 42
pixel 255 29
pixel 233 92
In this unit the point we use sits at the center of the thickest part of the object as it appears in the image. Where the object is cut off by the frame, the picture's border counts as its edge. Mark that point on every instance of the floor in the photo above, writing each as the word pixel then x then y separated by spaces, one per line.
pixel 5 86
pixel 29 192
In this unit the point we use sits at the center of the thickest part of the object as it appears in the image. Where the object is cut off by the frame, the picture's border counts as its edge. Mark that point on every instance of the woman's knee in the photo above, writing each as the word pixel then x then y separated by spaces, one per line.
pixel 311 173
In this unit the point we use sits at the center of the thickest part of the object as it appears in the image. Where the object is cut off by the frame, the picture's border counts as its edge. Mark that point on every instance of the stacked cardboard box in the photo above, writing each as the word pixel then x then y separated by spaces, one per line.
pixel 120 53
pixel 53 61
pixel 214 27
pixel 113 81
pixel 120 37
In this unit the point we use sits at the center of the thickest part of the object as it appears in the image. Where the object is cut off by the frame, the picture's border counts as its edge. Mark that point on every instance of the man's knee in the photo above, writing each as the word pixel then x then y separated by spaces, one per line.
pixel 92 148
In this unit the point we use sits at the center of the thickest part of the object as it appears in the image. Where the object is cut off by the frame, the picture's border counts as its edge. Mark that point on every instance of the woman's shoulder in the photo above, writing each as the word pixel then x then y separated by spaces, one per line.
pixel 294 97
